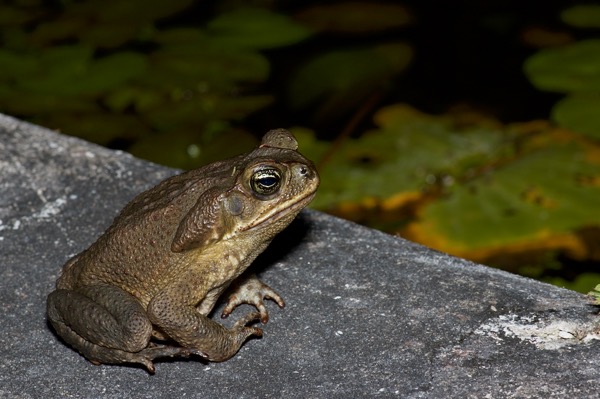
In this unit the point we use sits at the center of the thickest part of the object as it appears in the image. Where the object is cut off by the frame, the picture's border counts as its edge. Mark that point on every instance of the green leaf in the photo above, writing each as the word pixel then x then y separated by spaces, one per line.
pixel 545 193
pixel 108 36
pixel 595 294
pixel 112 71
pixel 255 28
pixel 71 71
pixel 56 70
pixel 575 67
pixel 95 23
pixel 14 16
pixel 582 283
pixel 354 17
pixel 58 29
pixel 202 63
pixel 237 108
pixel 139 98
pixel 188 113
pixel 100 127
pixel 339 80
pixel 580 113
pixel 130 12
pixel 401 159
pixel 309 144
pixel 582 16
pixel 180 36
pixel 15 66
pixel 188 149
pixel 36 105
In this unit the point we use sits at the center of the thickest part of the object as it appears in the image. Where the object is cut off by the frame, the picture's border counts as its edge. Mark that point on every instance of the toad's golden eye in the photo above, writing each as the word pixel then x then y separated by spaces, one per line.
pixel 266 181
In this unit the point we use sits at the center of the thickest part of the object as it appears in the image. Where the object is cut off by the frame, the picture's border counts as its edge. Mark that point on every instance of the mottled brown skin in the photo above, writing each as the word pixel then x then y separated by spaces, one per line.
pixel 158 271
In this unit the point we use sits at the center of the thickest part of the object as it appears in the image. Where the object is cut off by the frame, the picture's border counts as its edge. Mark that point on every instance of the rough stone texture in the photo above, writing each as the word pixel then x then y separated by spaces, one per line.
pixel 368 315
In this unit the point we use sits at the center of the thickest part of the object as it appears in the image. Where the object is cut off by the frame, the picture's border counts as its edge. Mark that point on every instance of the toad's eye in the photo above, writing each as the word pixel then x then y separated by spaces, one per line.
pixel 265 181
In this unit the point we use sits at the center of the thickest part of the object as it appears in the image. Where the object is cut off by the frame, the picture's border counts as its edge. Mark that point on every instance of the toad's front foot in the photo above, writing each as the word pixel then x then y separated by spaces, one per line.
pixel 227 342
pixel 252 291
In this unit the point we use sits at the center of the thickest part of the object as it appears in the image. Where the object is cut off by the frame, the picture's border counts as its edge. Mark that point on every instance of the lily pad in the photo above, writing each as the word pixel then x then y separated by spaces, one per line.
pixel 255 28
pixel 582 16
pixel 109 35
pixel 575 67
pixel 595 294
pixel 339 80
pixel 18 102
pixel 538 200
pixel 94 23
pixel 580 113
pixel 187 150
pixel 398 162
pixel 15 16
pixel 59 29
pixel 191 64
pixel 134 97
pixel 100 127
pixel 56 69
pixel 190 112
pixel 354 17
pixel 132 10
pixel 16 65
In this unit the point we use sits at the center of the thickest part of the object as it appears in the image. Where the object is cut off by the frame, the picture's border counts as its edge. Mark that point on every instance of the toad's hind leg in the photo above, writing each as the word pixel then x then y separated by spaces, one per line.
pixel 106 325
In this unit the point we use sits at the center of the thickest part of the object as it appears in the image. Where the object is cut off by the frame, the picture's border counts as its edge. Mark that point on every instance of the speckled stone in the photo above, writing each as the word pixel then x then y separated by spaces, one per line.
pixel 368 314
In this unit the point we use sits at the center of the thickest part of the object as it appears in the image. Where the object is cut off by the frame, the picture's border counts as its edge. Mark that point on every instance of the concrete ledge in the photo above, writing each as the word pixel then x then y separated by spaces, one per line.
pixel 368 315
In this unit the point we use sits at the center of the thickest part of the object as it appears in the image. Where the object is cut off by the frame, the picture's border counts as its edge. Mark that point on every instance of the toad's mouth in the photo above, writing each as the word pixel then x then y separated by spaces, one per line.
pixel 280 213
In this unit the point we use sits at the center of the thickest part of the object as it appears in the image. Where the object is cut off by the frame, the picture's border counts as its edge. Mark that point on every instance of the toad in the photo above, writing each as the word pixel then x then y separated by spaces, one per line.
pixel 145 288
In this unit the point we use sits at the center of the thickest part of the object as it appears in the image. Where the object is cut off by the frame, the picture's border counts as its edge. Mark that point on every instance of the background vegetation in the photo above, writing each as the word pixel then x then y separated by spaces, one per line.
pixel 472 128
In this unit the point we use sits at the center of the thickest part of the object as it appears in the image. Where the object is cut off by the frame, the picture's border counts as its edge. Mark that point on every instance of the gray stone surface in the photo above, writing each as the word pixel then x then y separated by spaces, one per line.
pixel 368 314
